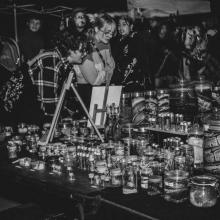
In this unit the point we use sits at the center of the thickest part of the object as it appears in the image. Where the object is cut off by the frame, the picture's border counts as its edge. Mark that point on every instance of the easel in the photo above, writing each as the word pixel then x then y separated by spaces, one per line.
pixel 68 83
pixel 103 109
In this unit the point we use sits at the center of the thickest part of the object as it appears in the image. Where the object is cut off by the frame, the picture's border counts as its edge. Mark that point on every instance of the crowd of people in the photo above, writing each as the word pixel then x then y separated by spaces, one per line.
pixel 101 51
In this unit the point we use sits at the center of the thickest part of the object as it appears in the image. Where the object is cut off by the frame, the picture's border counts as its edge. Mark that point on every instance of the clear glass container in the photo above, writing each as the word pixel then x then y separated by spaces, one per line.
pixel 154 185
pixel 145 173
pixel 196 139
pixel 183 99
pixel 129 179
pixel 116 177
pixel 151 102
pixel 125 108
pixel 204 191
pixel 203 90
pixel 176 186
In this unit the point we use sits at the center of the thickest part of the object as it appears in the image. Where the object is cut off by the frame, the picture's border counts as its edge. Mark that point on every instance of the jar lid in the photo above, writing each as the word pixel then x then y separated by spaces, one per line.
pixel 150 93
pixel 177 174
pixel 155 179
pixel 125 95
pixel 101 169
pixel 204 180
pixel 137 94
pixel 116 172
pixel 101 163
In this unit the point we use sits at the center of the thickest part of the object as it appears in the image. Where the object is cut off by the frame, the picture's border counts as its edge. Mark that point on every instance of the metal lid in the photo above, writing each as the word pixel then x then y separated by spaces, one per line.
pixel 177 174
pixel 204 180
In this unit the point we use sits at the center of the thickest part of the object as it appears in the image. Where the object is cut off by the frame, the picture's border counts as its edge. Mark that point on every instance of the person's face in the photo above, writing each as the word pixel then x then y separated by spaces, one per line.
pixel 163 32
pixel 80 20
pixel 76 56
pixel 34 25
pixel 123 28
pixel 105 33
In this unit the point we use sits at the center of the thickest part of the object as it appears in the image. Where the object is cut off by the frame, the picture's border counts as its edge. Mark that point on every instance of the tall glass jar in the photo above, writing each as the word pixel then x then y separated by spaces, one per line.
pixel 183 99
pixel 196 139
pixel 138 107
pixel 204 191
pixel 129 179
pixel 125 108
pixel 176 186
pixel 203 90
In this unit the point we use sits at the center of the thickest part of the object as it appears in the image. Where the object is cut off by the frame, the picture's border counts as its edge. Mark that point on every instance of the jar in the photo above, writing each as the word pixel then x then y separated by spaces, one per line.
pixel 12 150
pixel 138 107
pixel 196 139
pixel 163 101
pixel 180 163
pixel 154 185
pixel 125 108
pixel 145 173
pixel 119 149
pixel 188 153
pixel 129 179
pixel 203 191
pixel 151 102
pixel 203 90
pixel 176 186
pixel 183 99
pixel 116 177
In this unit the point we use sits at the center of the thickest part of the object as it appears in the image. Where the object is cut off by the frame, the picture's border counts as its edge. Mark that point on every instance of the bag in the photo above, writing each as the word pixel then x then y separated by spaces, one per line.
pixel 10 54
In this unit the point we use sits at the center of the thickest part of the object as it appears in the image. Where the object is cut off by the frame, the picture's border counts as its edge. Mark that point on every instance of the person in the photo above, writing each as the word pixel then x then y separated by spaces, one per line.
pixel 79 23
pixel 31 41
pixel 18 97
pixel 98 66
pixel 126 52
pixel 50 69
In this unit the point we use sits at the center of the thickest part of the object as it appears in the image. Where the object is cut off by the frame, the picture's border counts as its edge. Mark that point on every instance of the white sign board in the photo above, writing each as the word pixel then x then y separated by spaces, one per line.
pixel 114 95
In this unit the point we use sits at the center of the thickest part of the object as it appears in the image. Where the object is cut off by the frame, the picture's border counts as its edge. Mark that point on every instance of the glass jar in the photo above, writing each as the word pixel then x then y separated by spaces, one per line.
pixel 180 163
pixel 176 186
pixel 183 99
pixel 12 150
pixel 125 108
pixel 154 185
pixel 203 90
pixel 138 107
pixel 116 177
pixel 196 139
pixel 145 173
pixel 188 153
pixel 151 102
pixel 163 101
pixel 129 179
pixel 203 191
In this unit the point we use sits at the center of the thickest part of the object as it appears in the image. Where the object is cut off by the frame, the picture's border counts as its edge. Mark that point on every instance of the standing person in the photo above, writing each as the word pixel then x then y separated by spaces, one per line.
pixel 50 69
pixel 98 66
pixel 79 23
pixel 31 40
pixel 126 52
pixel 18 97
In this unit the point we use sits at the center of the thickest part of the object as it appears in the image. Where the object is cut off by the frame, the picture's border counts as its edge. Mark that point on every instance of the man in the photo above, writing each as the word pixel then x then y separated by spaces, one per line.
pixel 31 40
pixel 50 69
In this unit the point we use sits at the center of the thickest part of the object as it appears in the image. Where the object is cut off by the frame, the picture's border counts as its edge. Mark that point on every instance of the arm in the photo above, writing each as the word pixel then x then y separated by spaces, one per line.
pixel 91 74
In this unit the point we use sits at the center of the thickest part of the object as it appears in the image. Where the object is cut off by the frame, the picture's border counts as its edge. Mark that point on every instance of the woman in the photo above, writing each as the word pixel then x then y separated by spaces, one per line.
pixel 126 52
pixel 98 66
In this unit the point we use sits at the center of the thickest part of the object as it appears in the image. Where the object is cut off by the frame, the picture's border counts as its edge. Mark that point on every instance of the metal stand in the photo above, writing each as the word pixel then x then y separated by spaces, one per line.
pixel 49 136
